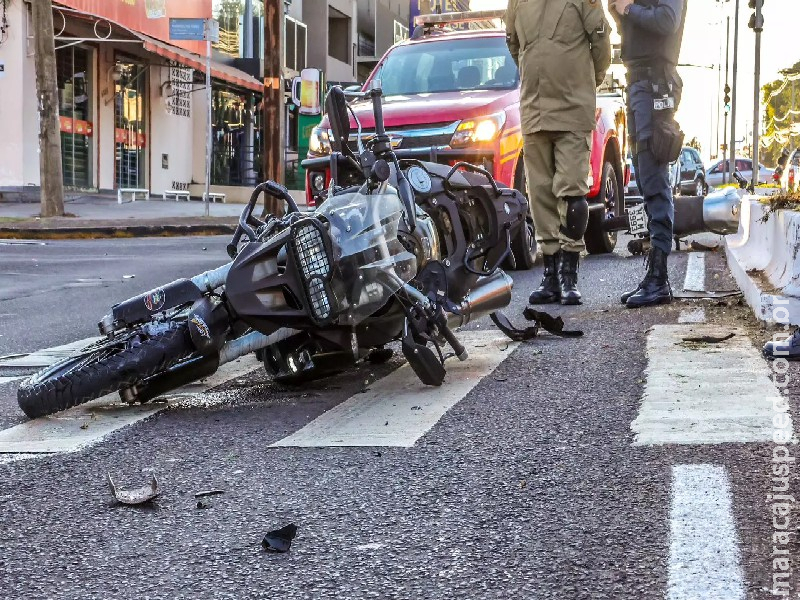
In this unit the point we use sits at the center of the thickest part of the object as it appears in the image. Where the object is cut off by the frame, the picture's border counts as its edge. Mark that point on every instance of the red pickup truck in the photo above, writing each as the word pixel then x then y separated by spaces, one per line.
pixel 453 96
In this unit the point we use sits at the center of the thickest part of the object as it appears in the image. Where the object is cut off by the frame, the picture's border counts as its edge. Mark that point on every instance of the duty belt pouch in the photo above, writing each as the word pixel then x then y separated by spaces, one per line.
pixel 667 140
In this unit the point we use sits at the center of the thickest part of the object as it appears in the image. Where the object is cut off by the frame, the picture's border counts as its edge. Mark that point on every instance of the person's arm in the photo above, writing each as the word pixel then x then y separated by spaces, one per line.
pixel 597 30
pixel 511 31
pixel 664 19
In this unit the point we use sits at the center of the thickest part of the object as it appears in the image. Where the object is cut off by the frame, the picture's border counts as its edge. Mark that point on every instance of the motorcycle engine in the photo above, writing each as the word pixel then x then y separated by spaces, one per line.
pixel 424 243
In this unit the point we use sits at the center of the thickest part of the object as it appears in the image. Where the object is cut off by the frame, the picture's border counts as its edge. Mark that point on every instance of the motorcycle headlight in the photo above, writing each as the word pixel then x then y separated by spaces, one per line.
pixel 483 129
pixel 319 141
pixel 315 267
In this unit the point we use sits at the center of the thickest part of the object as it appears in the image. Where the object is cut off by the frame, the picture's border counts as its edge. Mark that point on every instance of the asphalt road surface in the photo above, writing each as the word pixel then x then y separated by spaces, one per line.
pixel 633 463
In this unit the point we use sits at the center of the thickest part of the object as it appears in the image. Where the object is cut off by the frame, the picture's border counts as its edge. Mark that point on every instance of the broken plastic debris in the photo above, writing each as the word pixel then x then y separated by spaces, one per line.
pixel 280 540
pixel 128 276
pixel 136 496
pixel 208 493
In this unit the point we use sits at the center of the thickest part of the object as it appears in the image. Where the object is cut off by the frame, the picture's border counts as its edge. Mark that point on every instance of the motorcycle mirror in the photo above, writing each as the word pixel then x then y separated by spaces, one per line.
pixel 336 107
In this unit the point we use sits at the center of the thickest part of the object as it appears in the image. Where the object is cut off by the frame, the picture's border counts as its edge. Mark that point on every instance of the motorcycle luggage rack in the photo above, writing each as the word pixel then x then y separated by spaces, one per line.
pixel 247 221
pixel 470 167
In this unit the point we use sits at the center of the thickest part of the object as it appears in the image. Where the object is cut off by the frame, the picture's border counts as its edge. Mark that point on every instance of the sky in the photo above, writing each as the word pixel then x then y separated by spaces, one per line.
pixel 704 46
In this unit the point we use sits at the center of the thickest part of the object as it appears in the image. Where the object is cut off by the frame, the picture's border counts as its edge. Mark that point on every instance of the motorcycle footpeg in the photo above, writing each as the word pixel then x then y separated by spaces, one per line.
pixel 423 361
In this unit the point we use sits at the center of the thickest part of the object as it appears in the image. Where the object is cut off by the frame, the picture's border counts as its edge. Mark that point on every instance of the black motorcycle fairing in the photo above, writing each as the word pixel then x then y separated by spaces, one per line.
pixel 262 292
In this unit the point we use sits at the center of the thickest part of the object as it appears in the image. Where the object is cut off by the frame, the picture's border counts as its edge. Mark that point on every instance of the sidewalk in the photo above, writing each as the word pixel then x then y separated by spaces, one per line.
pixel 96 216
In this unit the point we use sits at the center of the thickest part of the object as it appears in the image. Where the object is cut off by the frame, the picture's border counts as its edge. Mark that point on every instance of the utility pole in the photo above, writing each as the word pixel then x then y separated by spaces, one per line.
pixel 732 147
pixel 272 127
pixel 727 98
pixel 757 23
pixel 50 169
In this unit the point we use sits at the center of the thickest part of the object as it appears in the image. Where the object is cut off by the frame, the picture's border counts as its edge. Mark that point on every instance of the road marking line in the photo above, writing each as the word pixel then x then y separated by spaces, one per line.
pixel 697 315
pixel 10 379
pixel 397 410
pixel 704 547
pixel 698 393
pixel 695 280
pixel 85 425
pixel 47 356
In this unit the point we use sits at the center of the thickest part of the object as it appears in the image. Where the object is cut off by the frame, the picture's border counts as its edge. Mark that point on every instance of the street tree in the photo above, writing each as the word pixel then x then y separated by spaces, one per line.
pixel 781 102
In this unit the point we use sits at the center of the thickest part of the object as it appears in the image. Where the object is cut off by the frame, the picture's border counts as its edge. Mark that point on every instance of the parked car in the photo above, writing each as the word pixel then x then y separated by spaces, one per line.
pixel 688 175
pixel 714 174
pixel 632 189
pixel 791 171
pixel 453 95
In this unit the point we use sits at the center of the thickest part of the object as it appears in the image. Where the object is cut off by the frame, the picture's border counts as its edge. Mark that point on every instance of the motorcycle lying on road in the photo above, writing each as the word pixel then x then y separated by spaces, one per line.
pixel 400 251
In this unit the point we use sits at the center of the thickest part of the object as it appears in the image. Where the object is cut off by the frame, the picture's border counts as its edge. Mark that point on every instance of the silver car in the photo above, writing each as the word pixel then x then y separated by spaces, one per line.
pixel 743 165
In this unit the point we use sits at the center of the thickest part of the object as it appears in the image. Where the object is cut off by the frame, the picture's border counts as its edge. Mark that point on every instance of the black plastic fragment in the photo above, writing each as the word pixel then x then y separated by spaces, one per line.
pixel 549 323
pixel 280 540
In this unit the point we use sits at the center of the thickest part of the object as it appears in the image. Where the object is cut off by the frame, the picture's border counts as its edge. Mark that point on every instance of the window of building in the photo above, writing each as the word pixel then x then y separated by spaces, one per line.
pixel 339 36
pixel 236 148
pixel 295 46
pixel 230 14
pixel 400 32
pixel 73 66
pixel 130 123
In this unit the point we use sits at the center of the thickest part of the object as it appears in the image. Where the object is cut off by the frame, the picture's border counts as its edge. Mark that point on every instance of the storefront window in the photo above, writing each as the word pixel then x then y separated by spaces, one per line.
pixel 237 148
pixel 130 126
pixel 74 75
pixel 230 14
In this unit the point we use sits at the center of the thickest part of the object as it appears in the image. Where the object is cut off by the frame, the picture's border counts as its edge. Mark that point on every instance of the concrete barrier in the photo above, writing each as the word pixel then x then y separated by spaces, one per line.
pixel 764 258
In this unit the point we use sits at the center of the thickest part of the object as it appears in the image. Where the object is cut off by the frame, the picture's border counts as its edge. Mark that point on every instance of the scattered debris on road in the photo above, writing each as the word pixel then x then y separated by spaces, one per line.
pixel 708 339
pixel 280 540
pixel 129 276
pixel 204 493
pixel 136 496
pixel 705 294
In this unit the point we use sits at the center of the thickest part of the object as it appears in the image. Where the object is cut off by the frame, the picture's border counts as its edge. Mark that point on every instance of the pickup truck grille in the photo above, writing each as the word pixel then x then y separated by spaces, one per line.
pixel 415 136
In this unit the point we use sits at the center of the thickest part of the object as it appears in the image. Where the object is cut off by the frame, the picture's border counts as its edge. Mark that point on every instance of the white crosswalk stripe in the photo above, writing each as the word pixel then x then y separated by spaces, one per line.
pixel 397 410
pixel 704 547
pixel 85 425
pixel 703 392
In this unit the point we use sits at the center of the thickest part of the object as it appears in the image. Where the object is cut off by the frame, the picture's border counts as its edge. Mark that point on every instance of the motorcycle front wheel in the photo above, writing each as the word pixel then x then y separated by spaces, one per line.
pixel 106 367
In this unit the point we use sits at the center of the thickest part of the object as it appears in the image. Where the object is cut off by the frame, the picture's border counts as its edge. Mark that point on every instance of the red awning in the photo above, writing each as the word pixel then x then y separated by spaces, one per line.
pixel 218 71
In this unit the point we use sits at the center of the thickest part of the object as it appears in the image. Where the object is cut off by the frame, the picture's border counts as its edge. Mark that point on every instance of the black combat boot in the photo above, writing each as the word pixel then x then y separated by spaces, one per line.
pixel 549 291
pixel 568 277
pixel 655 288
pixel 626 295
pixel 788 348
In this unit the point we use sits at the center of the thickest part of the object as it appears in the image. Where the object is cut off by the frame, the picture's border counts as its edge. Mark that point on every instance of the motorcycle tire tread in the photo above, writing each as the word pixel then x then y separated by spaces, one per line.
pixel 40 397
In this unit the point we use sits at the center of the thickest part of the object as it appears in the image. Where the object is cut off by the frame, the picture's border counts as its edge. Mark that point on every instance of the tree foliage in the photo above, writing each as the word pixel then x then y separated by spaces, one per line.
pixel 777 115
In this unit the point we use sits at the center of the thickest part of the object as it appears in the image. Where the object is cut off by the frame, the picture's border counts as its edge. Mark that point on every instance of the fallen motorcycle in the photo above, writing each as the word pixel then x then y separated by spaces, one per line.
pixel 400 251
pixel 716 213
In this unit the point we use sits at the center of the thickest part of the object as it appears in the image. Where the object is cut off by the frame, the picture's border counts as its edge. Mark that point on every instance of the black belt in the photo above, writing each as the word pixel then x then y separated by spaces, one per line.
pixel 656 73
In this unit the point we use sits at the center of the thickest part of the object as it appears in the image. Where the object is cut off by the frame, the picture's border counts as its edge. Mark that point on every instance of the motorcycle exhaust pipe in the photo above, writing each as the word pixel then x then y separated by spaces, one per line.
pixel 251 342
pixel 716 213
pixel 489 294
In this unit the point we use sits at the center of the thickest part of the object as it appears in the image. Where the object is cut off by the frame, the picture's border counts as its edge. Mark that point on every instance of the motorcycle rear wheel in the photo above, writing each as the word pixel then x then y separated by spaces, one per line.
pixel 112 366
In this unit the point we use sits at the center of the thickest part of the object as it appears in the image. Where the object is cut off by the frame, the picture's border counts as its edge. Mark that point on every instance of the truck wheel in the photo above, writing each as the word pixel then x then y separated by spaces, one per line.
pixel 523 245
pixel 597 240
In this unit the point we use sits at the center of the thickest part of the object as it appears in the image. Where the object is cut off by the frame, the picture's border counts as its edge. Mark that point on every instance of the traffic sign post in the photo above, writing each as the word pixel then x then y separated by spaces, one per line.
pixel 199 30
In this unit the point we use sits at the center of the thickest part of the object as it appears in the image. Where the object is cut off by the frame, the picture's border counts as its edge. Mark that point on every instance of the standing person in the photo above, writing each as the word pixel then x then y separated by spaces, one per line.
pixel 562 50
pixel 652 31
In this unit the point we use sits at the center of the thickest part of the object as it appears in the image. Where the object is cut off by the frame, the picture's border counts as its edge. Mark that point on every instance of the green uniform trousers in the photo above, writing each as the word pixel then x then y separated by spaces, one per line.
pixel 556 166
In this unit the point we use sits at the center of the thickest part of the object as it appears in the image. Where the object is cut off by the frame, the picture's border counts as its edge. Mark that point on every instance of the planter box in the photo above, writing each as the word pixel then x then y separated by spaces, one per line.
pixel 764 258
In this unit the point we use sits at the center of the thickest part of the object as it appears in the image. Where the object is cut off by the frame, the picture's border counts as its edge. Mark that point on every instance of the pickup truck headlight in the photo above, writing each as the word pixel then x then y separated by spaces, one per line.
pixel 319 142
pixel 482 129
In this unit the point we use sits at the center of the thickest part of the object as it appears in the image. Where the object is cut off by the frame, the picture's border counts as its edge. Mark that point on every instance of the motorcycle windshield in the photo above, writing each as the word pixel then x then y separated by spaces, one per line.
pixel 372 262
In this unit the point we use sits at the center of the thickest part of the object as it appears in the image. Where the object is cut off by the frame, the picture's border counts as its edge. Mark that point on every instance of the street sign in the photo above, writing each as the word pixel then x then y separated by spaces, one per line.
pixel 187 29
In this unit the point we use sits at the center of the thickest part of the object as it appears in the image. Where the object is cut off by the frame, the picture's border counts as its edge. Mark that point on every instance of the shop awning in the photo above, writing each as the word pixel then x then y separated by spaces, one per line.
pixel 218 71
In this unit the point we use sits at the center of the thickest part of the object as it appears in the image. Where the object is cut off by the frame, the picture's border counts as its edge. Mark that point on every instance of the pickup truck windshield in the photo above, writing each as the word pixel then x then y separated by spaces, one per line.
pixel 448 65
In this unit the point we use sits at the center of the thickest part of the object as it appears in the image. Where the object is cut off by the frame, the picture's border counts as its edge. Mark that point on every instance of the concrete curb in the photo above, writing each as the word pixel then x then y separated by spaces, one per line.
pixel 764 258
pixel 98 232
